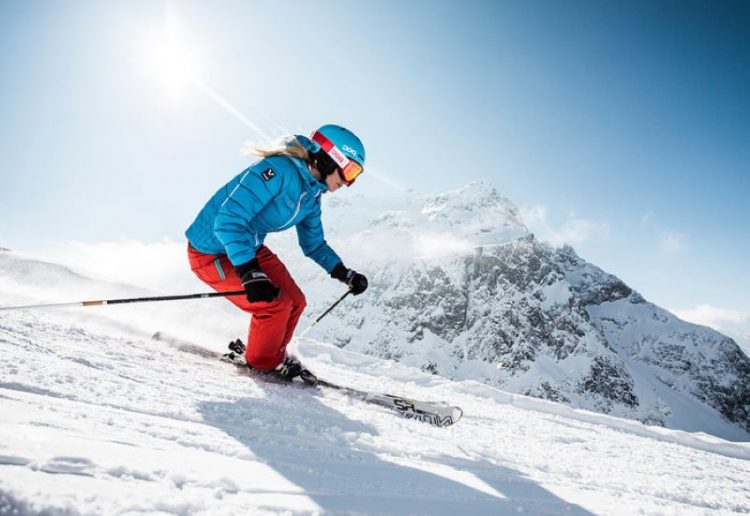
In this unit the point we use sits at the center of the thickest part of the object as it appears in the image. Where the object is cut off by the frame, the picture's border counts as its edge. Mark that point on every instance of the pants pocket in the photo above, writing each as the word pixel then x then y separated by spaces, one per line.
pixel 219 270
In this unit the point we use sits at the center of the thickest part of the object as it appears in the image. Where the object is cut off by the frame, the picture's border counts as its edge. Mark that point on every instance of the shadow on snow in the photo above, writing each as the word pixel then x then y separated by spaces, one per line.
pixel 316 448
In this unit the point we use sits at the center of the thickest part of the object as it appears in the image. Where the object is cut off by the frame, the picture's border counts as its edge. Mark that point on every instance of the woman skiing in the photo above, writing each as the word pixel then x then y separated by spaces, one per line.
pixel 283 189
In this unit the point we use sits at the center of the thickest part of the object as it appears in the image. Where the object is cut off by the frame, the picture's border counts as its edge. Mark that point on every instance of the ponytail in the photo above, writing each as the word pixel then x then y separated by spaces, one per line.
pixel 284 146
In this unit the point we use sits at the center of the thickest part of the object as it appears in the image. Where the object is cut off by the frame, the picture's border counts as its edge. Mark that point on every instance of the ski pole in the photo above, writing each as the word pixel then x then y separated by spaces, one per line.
pixel 126 300
pixel 324 314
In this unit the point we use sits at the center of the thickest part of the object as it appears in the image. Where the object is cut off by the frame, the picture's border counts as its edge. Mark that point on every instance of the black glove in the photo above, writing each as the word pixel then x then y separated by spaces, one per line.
pixel 356 281
pixel 256 283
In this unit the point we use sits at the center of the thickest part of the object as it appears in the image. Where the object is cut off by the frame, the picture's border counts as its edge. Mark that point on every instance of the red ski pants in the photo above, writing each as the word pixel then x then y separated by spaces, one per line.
pixel 272 324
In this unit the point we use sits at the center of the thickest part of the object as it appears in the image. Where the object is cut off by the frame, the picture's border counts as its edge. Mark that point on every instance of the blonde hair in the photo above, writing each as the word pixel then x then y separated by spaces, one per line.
pixel 284 146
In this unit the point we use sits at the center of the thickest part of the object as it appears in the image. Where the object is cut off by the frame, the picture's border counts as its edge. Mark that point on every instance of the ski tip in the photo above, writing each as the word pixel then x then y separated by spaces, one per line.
pixel 450 417
pixel 441 417
pixel 457 414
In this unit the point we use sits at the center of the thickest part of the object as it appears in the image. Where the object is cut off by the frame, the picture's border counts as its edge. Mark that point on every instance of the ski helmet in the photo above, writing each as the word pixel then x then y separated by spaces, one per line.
pixel 343 148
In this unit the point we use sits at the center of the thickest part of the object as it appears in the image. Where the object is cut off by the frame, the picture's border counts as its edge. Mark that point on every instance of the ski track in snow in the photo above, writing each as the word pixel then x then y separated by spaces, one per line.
pixel 111 422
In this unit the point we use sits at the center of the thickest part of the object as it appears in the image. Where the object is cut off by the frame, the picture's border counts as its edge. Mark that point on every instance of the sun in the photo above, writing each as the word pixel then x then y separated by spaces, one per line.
pixel 168 55
pixel 168 59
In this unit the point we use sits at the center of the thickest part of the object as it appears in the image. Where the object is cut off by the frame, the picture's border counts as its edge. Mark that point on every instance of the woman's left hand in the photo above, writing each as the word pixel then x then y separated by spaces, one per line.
pixel 357 282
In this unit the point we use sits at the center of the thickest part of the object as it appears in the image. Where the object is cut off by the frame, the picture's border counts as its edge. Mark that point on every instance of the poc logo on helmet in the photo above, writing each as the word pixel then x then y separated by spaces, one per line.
pixel 349 149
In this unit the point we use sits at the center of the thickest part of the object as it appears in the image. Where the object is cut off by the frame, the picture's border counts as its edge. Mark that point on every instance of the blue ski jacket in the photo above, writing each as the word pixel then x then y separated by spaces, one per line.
pixel 271 195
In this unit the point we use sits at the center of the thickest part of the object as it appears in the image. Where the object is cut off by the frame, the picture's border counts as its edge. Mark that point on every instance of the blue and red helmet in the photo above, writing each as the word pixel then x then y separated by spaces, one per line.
pixel 344 148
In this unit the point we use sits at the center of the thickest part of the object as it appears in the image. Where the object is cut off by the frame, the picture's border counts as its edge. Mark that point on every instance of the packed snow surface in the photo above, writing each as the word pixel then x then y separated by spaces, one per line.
pixel 98 418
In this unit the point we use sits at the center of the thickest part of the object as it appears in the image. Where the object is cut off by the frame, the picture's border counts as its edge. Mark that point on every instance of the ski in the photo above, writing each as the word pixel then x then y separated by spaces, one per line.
pixel 434 413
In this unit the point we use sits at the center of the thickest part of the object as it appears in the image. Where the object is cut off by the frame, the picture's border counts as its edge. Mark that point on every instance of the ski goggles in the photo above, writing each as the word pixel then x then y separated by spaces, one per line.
pixel 348 169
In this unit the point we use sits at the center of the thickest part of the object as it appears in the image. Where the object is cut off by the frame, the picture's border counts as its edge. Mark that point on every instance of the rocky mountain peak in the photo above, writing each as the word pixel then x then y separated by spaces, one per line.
pixel 476 213
pixel 474 202
pixel 474 296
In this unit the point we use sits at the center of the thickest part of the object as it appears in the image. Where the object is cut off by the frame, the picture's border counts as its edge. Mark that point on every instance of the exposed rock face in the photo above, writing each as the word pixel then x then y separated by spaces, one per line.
pixel 508 305
pixel 685 357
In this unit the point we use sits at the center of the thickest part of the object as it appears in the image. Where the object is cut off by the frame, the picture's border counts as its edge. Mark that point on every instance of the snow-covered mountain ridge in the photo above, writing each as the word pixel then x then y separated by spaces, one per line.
pixel 461 288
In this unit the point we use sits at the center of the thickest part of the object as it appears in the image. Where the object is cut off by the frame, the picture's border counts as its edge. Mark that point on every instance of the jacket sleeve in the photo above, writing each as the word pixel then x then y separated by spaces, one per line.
pixel 313 243
pixel 247 198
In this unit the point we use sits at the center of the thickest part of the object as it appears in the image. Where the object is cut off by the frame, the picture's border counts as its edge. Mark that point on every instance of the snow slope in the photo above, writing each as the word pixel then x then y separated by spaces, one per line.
pixel 97 418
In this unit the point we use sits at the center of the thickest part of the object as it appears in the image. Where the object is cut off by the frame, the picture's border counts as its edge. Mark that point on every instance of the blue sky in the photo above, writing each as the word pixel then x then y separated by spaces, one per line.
pixel 620 127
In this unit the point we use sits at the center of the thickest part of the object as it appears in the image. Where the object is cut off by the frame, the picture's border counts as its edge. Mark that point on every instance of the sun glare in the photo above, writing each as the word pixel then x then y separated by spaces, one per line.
pixel 169 60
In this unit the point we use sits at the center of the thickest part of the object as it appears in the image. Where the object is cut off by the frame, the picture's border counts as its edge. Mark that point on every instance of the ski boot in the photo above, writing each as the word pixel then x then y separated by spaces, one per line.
pixel 289 369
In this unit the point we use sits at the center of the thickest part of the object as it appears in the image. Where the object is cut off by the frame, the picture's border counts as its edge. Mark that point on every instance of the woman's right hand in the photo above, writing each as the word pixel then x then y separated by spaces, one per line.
pixel 257 285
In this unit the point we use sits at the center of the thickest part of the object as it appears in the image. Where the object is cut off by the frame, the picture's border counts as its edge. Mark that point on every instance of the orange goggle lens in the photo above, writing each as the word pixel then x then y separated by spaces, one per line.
pixel 350 172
